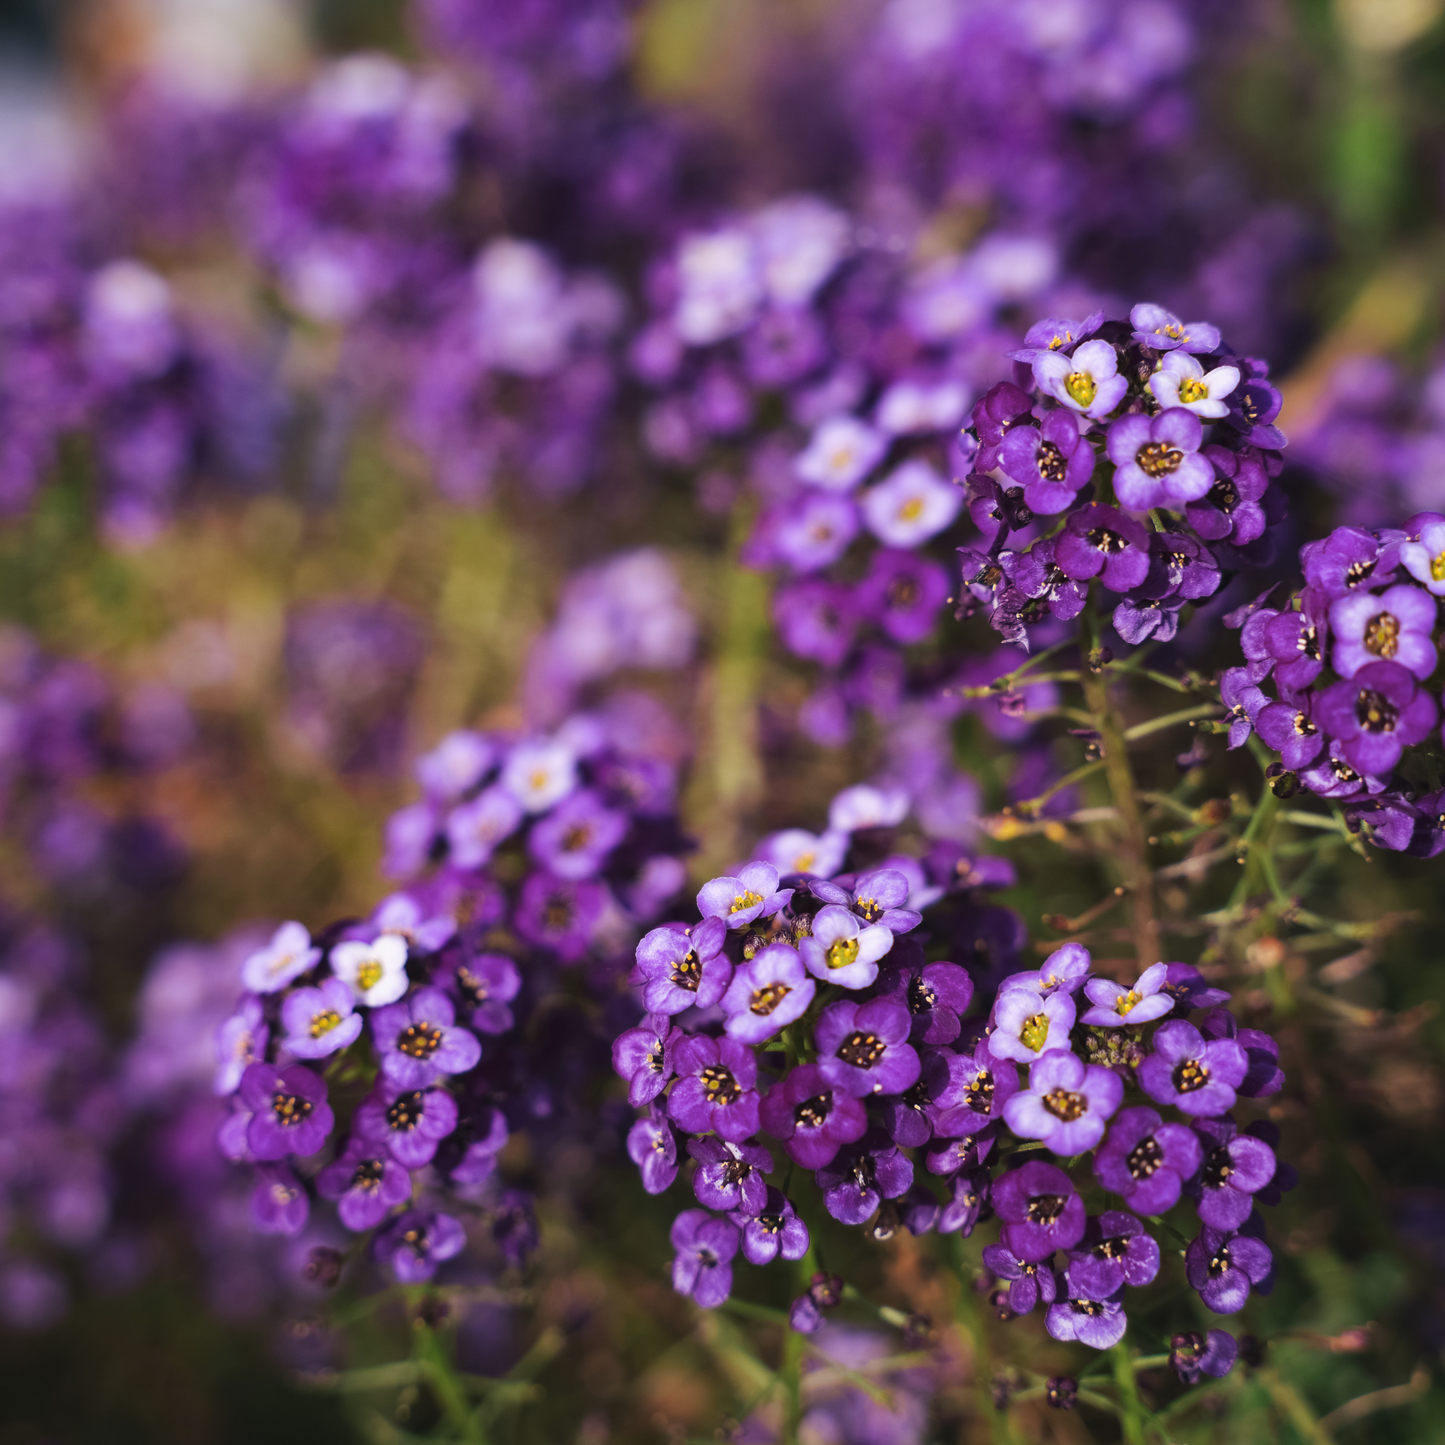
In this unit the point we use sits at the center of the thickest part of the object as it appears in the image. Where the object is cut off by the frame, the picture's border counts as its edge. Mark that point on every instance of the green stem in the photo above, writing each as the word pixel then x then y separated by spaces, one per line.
pixel 1169 720
pixel 1131 1407
pixel 1134 845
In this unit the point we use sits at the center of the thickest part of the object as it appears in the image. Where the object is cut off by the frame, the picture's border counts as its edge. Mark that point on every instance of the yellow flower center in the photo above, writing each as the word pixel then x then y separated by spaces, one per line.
pixel 911 510
pixel 1082 387
pixel 1193 388
pixel 1035 1032
pixel 842 953
pixel 323 1023
pixel 746 899
pixel 1437 567
pixel 369 975
pixel 1125 1002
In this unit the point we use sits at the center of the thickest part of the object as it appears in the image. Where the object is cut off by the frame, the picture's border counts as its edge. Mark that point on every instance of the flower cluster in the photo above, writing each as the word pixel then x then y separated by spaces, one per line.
pixel 801 1015
pixel 1350 656
pixel 1153 442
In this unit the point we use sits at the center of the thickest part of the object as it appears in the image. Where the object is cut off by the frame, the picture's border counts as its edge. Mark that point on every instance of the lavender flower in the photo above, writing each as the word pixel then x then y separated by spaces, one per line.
pixel 729 1176
pixel 1030 1281
pixel 1195 1355
pixel 1051 464
pixel 1145 1161
pixel 279 1204
pixel 289 1111
pixel 559 914
pixel 839 951
pixel 936 995
pixel 1197 1077
pixel 1158 461
pixel 418 1039
pixel 1182 382
pixel 1027 1027
pixel 284 959
pixel 643 1056
pixel 716 1088
pixel 768 992
pixel 366 1183
pixel 1391 626
pixel 1375 715
pixel 910 505
pixel 1424 559
pixel 418 1241
pixel 1116 1250
pixel 1040 1210
pixel 1086 382
pixel 773 1232
pixel 487 983
pixel 320 1021
pixel 1163 331
pixel 1235 1168
pixel 862 1175
pixel 1118 1007
pixel 1222 1266
pixel 1100 541
pixel 980 1088
pixel 475 828
pixel 652 1146
pixel 240 1041
pixel 682 968
pixel 1100 1324
pixel 410 1122
pixel 705 1247
pixel 811 1116
pixel 864 1049
pixel 737 901
pixel 1066 1104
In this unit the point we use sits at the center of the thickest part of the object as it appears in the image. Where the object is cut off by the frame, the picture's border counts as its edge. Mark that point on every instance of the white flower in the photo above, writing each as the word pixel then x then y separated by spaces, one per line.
pixel 475 828
pixel 911 505
pixel 912 406
pixel 795 850
pixel 1182 381
pixel 842 451
pixel 287 956
pixel 540 773
pixel 521 323
pixel 376 971
pixel 719 287
pixel 457 763
pixel 800 241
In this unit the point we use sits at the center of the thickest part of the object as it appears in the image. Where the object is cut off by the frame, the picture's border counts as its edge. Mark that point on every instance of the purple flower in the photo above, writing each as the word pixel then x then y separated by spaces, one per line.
pixel 1146 1161
pixel 1296 641
pixel 876 897
pixel 1029 1281
pixel 486 984
pixel 1001 408
pixel 1117 1007
pixel 279 1204
pixel 1182 382
pixel 1137 621
pixel 811 532
pixel 811 1117
pixel 1158 460
pixel 935 993
pixel 410 1122
pixel 1037 575
pixel 1056 333
pixel 1333 777
pixel 1066 968
pixel 840 453
pixel 775 1230
pixel 418 1241
pixel 768 992
pixel 643 1056
pixel 1189 989
pixel 574 839
pixel 1040 1210
pixel 716 1087
pixel 705 1246
pixel 1222 1265
pixel 1088 382
pixel 682 968
pixel 863 1174
pixel 1050 463
pixel 1026 1026
pixel 320 1021
pixel 902 592
pixel 970 1196
pixel 484 1135
pixel 1390 626
pixel 417 1039
pixel 1253 406
pixel 1116 1250
pixel 514 1226
pixel 559 914
pixel 476 827
pixel 839 951
pixel 1265 1075
pixel 1100 1324
pixel 1100 541
pixel 980 1086
pixel 1348 558
pixel 1378 713
pixel 240 1041
pixel 730 1176
pixel 1235 1168
pixel 1231 509
pixel 289 1111
pixel 1291 731
pixel 366 1182
pixel 1163 331
pixel 816 620
pixel 753 893
pixel 864 1049
pixel 1197 1077
pixel 652 1146
pixel 288 955
pixel 1194 1355
pixel 1066 1104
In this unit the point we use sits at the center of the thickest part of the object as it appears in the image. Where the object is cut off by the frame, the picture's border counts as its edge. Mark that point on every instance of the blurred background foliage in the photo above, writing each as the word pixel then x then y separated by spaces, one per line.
pixel 1331 107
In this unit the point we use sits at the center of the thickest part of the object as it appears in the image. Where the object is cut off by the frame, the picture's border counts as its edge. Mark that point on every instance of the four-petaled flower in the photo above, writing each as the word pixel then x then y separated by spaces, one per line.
pixel 417 1039
pixel 1067 1103
pixel 1115 1006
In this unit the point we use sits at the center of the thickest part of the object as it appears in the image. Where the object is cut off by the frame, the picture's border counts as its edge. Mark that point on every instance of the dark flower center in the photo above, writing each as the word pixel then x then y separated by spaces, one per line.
pixel 734 1171
pixel 1382 635
pixel 862 1050
pixel 1046 1208
pixel 557 915
pixel 474 989
pixel 1217 1168
pixel 1303 726
pixel 863 1175
pixel 1308 642
pixel 1356 572
pixel 1052 463
pixel 902 592
pixel 1192 1074
pixel 813 1113
pixel 420 1041
pixel 767 998
pixel 770 1223
pixel 1090 1307
pixel 1219 1262
pixel 979 1094
pixel 916 1097
pixel 576 838
pixel 687 971
pixel 1144 1158
pixel 989 575
pixel 1066 1105
pixel 867 909
pixel 719 1085
pixel 368 1175
pixel 405 1114
pixel 706 1257
pixel 1112 1248
pixel 1376 713
pixel 920 996
pixel 1224 494
pixel 1188 1348
pixel 289 1109
pixel 1343 772
pixel 1101 539
pixel 1158 459
pixel 656 1057
pixel 416 1240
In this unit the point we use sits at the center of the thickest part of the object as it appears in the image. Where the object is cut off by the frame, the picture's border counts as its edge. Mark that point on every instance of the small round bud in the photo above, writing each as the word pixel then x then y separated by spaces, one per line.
pixel 1062 1392
pixel 323 1266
